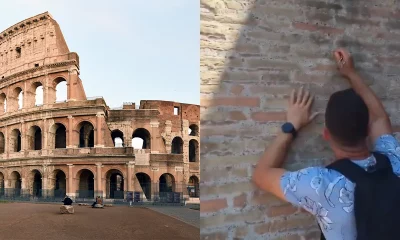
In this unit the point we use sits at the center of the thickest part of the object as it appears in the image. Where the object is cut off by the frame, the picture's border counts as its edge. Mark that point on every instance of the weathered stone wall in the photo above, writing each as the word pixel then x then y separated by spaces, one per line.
pixel 252 54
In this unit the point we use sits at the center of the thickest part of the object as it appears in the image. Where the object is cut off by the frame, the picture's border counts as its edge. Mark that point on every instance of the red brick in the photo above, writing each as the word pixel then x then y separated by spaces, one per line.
pixel 237 89
pixel 240 201
pixel 313 28
pixel 237 116
pixel 286 209
pixel 323 67
pixel 212 205
pixel 231 101
pixel 268 116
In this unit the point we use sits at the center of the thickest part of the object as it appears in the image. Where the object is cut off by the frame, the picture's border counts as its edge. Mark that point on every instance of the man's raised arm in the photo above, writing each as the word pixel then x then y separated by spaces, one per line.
pixel 379 122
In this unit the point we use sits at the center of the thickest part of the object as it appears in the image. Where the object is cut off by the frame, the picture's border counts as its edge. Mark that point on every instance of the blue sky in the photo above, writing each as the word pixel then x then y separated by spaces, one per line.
pixel 130 50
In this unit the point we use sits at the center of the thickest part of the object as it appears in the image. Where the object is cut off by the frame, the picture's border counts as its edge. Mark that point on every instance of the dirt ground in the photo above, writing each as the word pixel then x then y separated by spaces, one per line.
pixel 19 221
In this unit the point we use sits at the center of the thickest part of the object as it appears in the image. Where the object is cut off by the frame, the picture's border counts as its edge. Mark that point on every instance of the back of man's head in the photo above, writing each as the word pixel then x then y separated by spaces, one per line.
pixel 346 118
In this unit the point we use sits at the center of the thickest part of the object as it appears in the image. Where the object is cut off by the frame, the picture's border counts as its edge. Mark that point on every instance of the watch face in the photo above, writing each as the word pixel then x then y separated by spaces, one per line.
pixel 287 128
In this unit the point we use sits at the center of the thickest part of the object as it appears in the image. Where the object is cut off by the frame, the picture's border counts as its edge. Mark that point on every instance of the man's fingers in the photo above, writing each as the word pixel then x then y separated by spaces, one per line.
pixel 300 95
pixel 305 98
pixel 292 97
pixel 314 115
pixel 309 101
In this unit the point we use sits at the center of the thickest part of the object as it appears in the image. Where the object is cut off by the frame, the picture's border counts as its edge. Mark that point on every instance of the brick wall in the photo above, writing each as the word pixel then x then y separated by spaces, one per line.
pixel 252 54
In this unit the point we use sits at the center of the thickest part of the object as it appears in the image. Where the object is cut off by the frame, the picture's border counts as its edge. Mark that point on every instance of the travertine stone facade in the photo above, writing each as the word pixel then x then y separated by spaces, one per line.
pixel 81 144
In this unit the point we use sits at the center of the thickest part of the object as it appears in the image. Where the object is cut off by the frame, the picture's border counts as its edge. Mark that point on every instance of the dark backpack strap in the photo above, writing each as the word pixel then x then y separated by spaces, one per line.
pixel 382 162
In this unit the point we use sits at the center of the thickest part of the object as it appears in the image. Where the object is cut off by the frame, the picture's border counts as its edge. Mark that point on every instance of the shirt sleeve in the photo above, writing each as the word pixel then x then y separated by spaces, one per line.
pixel 302 184
pixel 388 145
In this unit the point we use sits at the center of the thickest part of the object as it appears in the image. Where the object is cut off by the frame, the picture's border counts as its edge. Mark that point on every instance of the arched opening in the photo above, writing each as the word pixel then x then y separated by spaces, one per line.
pixel 34 138
pixel 193 151
pixel 193 130
pixel 36 178
pixel 115 184
pixel 2 184
pixel 3 103
pixel 58 136
pixel 141 139
pixel 38 91
pixel 177 146
pixel 15 143
pixel 60 186
pixel 2 143
pixel 145 184
pixel 167 183
pixel 118 138
pixel 86 134
pixel 194 187
pixel 60 94
pixel 20 97
pixel 86 184
pixel 15 184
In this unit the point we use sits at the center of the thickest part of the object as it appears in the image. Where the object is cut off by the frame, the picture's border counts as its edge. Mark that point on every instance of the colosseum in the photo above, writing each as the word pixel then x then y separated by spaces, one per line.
pixel 80 146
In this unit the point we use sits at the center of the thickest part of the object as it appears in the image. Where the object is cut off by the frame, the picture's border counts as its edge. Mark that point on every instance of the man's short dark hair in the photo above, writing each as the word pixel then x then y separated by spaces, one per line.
pixel 347 118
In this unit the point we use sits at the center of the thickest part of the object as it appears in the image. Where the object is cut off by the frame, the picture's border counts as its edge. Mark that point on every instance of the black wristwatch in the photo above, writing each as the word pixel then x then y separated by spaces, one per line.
pixel 289 128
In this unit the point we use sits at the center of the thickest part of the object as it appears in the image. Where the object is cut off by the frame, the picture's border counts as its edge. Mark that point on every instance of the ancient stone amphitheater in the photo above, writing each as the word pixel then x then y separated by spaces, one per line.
pixel 80 146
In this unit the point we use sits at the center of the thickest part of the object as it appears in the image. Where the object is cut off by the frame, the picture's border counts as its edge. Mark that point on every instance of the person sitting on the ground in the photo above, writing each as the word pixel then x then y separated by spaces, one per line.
pixel 67 201
pixel 98 201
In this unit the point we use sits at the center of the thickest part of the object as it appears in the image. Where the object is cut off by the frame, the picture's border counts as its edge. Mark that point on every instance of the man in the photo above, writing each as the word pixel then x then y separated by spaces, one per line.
pixel 352 117
pixel 67 201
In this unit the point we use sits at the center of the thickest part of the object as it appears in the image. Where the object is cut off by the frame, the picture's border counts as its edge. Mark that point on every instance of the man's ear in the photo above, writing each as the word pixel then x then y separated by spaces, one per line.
pixel 326 135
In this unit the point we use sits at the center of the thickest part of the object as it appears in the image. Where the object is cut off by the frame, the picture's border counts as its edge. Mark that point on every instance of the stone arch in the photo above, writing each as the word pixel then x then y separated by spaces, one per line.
pixel 36 186
pixel 118 138
pixel 34 136
pixel 18 98
pixel 194 186
pixel 144 135
pixel 58 92
pixel 193 130
pixel 15 141
pixel 115 184
pixel 194 155
pixel 57 136
pixel 145 183
pixel 60 183
pixel 3 103
pixel 166 183
pixel 86 134
pixel 177 145
pixel 2 143
pixel 85 182
pixel 37 92
pixel 15 184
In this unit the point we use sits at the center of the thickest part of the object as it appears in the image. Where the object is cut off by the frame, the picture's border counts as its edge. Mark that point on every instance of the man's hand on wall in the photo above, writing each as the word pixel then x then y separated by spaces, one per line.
pixel 299 110
pixel 344 62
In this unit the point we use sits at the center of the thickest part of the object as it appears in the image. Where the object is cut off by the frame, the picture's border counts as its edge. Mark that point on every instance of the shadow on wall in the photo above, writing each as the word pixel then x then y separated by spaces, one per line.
pixel 252 54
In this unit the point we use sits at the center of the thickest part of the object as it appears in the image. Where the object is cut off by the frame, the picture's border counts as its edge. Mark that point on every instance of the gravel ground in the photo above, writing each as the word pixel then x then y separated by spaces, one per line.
pixel 19 221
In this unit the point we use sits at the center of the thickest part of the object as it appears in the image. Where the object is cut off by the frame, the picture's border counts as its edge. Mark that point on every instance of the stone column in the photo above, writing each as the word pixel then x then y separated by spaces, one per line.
pixel 98 179
pixel 45 132
pixel 70 132
pixel 130 166
pixel 70 187
pixel 73 78
pixel 46 91
pixel 24 143
pixel 155 138
pixel 7 143
pixel 99 130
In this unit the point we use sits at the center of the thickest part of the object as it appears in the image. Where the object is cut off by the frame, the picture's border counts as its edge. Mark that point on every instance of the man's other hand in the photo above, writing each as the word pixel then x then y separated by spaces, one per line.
pixel 299 110
pixel 344 62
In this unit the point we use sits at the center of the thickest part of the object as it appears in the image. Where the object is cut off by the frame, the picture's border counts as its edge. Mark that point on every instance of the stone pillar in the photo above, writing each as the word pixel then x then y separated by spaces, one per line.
pixel 70 132
pixel 24 142
pixel 70 187
pixel 99 130
pixel 73 78
pixel 168 139
pixel 45 132
pixel 155 138
pixel 130 166
pixel 46 91
pixel 98 179
pixel 7 142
